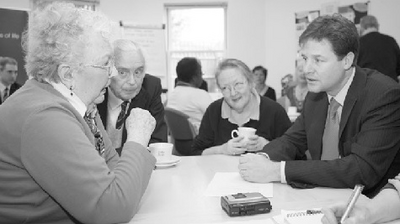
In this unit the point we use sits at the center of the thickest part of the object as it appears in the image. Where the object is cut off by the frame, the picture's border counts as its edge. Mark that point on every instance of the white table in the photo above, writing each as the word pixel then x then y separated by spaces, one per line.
pixel 176 194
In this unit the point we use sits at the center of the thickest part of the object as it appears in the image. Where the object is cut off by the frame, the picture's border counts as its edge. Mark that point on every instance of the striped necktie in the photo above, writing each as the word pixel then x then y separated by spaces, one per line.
pixel 330 139
pixel 5 94
pixel 121 116
pixel 98 138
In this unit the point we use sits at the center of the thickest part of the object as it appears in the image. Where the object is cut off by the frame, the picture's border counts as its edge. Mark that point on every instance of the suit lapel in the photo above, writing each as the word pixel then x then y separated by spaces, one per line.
pixel 356 86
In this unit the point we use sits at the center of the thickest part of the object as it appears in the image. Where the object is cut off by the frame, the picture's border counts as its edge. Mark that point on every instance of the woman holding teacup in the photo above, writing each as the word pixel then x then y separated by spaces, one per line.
pixel 241 106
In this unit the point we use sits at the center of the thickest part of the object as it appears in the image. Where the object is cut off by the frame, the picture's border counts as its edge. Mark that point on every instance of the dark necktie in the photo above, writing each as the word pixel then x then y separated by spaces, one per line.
pixel 330 139
pixel 121 116
pixel 98 138
pixel 5 95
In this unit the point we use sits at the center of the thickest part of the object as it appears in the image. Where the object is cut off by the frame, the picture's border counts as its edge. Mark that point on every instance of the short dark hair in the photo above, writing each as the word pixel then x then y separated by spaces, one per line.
pixel 262 69
pixel 369 21
pixel 188 68
pixel 7 60
pixel 339 31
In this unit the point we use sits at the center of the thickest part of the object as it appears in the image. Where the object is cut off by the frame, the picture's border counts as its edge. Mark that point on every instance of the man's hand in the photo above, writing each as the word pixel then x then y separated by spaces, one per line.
pixel 259 169
pixel 139 126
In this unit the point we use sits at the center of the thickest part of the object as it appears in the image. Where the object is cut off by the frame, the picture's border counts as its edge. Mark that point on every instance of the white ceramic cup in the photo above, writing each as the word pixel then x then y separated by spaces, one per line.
pixel 292 110
pixel 162 151
pixel 246 132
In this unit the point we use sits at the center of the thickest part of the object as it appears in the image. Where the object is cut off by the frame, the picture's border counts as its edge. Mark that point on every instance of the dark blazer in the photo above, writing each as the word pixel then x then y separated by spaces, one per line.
pixel 380 52
pixel 149 98
pixel 369 137
pixel 14 87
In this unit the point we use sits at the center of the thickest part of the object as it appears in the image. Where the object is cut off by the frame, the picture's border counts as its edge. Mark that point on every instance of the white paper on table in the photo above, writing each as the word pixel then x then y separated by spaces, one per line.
pixel 232 183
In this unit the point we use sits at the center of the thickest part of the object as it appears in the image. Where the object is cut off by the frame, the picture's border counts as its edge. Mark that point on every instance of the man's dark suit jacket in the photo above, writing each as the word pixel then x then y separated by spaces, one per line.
pixel 149 98
pixel 369 137
pixel 14 87
pixel 380 52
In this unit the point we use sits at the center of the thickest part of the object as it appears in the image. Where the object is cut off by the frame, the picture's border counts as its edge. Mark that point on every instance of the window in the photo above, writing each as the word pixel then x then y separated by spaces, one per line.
pixel 196 31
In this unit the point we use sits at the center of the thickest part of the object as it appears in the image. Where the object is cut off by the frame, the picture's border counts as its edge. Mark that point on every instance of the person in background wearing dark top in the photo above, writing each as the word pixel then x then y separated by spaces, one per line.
pixel 260 76
pixel 240 106
pixel 378 51
pixel 131 88
pixel 357 142
pixel 8 75
pixel 383 208
pixel 54 168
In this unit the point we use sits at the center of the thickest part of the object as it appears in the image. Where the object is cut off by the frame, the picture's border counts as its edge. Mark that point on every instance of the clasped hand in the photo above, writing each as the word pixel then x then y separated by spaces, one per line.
pixel 259 169
pixel 237 146
pixel 140 125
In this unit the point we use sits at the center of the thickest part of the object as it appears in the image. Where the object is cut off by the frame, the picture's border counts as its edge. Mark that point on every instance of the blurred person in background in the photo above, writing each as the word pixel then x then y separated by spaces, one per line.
pixel 187 96
pixel 378 51
pixel 8 76
pixel 260 76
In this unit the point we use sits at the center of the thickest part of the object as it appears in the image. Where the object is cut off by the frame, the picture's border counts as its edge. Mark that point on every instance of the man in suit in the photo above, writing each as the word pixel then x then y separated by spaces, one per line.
pixel 131 88
pixel 8 75
pixel 378 51
pixel 358 142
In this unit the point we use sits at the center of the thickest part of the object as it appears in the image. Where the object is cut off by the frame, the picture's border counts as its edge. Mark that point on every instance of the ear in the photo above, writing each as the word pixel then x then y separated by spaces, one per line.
pixel 348 60
pixel 66 75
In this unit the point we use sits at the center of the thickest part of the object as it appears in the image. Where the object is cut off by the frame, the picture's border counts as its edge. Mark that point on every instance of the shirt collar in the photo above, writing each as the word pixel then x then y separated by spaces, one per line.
pixel 255 114
pixel 340 97
pixel 73 100
pixel 2 87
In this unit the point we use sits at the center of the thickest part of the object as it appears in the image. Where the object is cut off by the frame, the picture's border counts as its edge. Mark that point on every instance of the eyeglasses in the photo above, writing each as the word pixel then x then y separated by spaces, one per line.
pixel 125 73
pixel 238 86
pixel 109 68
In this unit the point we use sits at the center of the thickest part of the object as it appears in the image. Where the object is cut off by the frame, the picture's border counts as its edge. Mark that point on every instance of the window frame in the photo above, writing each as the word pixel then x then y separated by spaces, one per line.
pixel 171 73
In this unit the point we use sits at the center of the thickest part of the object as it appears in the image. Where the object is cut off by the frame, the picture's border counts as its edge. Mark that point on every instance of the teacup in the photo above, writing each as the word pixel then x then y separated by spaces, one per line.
pixel 162 151
pixel 246 132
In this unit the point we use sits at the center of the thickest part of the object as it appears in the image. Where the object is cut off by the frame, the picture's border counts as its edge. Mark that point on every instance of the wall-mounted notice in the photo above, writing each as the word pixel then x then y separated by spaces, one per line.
pixel 151 39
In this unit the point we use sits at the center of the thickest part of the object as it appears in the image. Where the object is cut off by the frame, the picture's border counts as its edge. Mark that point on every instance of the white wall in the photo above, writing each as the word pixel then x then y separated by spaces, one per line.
pixel 281 43
pixel 259 31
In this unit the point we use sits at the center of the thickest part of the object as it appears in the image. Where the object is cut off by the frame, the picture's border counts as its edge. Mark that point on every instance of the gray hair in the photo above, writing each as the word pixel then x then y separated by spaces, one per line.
pixel 236 64
pixel 123 45
pixel 60 33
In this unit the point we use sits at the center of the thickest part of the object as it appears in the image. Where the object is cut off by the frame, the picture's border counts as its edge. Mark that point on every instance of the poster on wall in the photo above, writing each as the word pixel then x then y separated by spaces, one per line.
pixel 12 25
pixel 151 39
pixel 354 12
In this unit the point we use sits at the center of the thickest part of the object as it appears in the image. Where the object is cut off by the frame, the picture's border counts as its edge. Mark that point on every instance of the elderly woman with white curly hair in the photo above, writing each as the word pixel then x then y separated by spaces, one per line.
pixel 57 164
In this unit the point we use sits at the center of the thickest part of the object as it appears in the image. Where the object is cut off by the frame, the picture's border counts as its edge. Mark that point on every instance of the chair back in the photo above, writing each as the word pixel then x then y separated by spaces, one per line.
pixel 181 129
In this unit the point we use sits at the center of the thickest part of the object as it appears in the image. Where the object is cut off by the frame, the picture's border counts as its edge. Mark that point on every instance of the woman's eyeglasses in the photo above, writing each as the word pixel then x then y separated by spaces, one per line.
pixel 109 68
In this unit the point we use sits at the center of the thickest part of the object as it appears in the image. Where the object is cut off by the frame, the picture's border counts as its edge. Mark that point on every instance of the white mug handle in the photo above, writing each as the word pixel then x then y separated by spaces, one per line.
pixel 234 132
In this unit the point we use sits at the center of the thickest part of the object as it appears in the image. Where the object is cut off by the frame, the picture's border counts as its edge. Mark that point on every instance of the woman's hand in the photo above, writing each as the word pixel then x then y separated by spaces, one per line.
pixel 139 126
pixel 234 146
pixel 256 143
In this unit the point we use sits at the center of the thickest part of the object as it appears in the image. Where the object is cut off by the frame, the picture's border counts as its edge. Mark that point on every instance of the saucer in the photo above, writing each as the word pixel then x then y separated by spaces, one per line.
pixel 164 165
pixel 173 161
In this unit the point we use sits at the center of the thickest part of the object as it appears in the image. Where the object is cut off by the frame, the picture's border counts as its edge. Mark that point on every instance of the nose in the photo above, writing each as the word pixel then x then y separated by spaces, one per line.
pixel 307 67
pixel 131 79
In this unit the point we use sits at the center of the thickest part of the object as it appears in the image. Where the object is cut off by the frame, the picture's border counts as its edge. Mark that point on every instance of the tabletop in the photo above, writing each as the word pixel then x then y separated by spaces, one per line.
pixel 176 194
